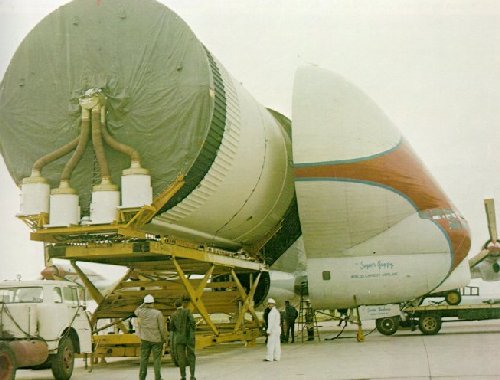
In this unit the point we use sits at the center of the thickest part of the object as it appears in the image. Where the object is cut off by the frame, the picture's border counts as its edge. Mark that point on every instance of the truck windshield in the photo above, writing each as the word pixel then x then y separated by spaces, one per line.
pixel 21 295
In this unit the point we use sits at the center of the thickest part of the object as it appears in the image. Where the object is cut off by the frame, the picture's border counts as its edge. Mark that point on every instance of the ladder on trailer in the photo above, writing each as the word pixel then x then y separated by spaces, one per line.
pixel 308 323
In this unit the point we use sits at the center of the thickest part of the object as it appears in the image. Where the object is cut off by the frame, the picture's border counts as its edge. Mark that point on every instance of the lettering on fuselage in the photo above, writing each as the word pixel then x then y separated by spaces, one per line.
pixel 374 269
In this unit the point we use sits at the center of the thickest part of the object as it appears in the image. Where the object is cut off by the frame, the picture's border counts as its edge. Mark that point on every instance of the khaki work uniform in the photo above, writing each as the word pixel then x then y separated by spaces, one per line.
pixel 153 334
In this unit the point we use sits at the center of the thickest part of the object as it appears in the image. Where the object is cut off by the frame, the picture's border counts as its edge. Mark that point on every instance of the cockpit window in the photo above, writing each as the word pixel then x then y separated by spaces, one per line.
pixel 21 295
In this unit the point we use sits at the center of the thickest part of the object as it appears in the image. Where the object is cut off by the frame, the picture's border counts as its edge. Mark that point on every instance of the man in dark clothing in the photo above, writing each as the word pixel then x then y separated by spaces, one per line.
pixel 291 315
pixel 266 317
pixel 183 326
pixel 282 326
pixel 171 337
pixel 153 334
pixel 343 317
pixel 309 321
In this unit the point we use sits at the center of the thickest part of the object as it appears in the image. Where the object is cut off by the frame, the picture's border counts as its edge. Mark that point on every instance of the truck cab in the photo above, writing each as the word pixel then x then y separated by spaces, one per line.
pixel 50 319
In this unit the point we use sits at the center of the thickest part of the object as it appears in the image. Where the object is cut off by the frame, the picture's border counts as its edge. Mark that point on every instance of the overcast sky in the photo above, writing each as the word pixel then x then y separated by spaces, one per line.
pixel 432 66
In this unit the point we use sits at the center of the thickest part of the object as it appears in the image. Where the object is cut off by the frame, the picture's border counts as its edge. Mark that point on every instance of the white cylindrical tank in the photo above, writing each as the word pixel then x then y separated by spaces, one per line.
pixel 136 190
pixel 35 193
pixel 64 207
pixel 249 186
pixel 177 108
pixel 105 201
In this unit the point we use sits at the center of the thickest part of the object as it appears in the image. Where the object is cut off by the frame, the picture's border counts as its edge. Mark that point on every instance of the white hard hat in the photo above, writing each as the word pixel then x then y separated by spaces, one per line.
pixel 270 300
pixel 149 299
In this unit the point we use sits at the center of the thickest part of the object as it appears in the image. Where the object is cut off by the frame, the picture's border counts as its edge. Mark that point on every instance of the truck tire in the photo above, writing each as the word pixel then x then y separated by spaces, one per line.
pixel 429 324
pixel 64 360
pixel 453 297
pixel 387 325
pixel 7 362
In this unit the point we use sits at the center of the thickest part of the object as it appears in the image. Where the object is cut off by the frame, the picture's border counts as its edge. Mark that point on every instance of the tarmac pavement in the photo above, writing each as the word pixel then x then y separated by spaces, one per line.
pixel 462 350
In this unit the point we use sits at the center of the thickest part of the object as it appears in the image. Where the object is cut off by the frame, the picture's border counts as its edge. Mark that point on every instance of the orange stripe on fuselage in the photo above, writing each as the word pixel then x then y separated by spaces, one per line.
pixel 401 170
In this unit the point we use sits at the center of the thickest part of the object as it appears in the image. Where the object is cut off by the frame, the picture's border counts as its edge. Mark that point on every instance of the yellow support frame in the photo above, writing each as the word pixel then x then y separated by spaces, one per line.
pixel 124 253
pixel 127 345
pixel 128 224
pixel 35 221
pixel 195 295
pixel 247 302
pixel 114 244
pixel 94 292
pixel 96 295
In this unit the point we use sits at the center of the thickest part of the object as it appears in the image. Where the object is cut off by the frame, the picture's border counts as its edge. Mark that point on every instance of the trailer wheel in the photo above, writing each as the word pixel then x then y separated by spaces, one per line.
pixel 64 360
pixel 7 362
pixel 387 325
pixel 429 324
pixel 453 297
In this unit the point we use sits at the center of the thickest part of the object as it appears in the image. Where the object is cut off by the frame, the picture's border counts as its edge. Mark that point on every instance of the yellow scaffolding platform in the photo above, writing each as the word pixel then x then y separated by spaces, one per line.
pixel 163 267
pixel 168 271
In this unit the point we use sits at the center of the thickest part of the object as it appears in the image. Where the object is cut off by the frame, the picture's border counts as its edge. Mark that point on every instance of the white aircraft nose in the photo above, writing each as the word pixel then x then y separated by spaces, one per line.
pixel 373 219
pixel 337 119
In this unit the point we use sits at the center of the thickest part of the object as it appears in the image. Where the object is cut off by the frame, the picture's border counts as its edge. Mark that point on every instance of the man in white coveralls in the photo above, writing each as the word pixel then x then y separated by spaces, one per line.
pixel 273 333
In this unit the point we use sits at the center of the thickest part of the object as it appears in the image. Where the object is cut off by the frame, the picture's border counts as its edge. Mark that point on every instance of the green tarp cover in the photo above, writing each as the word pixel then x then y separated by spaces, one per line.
pixel 153 70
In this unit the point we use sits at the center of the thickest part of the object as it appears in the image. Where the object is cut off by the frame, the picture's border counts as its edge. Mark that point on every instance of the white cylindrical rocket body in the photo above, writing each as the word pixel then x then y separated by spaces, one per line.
pixel 249 185
pixel 170 100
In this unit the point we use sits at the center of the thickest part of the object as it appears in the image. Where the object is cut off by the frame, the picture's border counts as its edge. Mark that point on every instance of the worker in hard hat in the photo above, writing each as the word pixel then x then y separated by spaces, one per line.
pixel 153 334
pixel 273 332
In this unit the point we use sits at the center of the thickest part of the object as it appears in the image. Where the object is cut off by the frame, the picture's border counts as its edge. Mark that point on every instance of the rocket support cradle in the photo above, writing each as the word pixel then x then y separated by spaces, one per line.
pixel 220 163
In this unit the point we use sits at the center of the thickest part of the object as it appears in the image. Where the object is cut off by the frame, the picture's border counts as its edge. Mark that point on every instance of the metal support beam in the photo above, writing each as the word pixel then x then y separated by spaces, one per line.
pixel 124 253
pixel 203 283
pixel 195 300
pixel 247 301
pixel 94 292
pixel 97 295
pixel 360 337
pixel 35 221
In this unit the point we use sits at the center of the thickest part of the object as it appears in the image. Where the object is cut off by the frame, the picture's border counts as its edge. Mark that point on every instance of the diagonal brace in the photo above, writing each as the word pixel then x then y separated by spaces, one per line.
pixel 195 295
pixel 96 294
pixel 247 300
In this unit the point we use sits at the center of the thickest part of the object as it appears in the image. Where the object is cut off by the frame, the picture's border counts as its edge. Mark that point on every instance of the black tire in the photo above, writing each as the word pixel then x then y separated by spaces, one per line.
pixel 387 325
pixel 453 297
pixel 8 364
pixel 429 324
pixel 64 360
